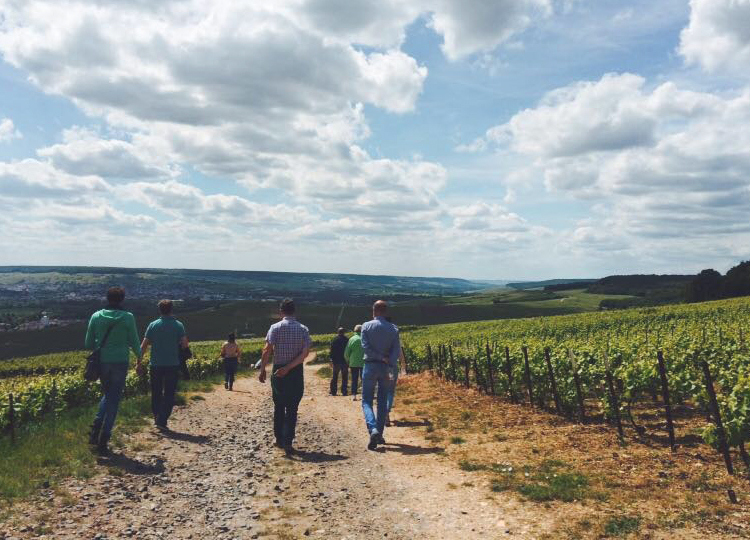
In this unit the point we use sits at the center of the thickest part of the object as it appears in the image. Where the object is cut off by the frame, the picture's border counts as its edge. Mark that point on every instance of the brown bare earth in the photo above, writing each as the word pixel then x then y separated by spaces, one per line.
pixel 218 476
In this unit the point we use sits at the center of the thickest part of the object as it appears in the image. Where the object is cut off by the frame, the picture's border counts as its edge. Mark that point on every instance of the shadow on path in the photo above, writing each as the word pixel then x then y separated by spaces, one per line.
pixel 315 457
pixel 411 423
pixel 411 450
pixel 130 465
pixel 186 437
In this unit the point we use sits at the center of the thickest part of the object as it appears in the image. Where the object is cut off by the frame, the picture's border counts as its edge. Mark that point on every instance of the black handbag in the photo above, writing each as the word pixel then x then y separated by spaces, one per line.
pixel 93 369
pixel 185 354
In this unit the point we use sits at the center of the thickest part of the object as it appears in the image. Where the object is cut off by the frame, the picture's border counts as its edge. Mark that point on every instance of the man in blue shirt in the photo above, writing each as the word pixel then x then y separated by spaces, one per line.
pixel 382 346
pixel 166 335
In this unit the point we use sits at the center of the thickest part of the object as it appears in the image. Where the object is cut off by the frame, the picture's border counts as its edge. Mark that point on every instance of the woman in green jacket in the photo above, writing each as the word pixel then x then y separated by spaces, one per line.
pixel 115 359
pixel 355 357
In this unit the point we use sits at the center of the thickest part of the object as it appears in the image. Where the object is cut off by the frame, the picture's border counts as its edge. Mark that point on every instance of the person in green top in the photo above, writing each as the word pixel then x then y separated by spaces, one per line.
pixel 165 335
pixel 355 357
pixel 115 359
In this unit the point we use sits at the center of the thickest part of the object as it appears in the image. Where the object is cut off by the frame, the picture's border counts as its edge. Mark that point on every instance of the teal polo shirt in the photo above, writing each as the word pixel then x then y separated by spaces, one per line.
pixel 165 334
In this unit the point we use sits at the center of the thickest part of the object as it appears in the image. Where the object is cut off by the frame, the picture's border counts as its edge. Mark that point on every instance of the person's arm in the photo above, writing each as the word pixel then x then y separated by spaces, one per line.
pixel 90 342
pixel 145 345
pixel 294 363
pixel 133 341
pixel 331 350
pixel 395 352
pixel 239 354
pixel 267 353
pixel 348 351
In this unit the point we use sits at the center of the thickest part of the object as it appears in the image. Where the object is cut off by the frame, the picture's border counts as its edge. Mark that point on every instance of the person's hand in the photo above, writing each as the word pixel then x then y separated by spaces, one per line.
pixel 262 375
pixel 282 371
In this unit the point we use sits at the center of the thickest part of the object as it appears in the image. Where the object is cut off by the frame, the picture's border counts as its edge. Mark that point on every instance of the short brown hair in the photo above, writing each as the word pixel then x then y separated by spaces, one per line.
pixel 115 295
pixel 165 307
pixel 287 306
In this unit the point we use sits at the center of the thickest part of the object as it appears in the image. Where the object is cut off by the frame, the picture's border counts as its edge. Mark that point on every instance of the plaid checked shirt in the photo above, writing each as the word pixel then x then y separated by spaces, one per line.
pixel 288 338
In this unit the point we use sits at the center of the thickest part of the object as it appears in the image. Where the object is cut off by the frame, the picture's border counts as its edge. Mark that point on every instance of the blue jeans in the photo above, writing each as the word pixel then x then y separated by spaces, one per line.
pixel 375 374
pixel 113 383
pixel 392 391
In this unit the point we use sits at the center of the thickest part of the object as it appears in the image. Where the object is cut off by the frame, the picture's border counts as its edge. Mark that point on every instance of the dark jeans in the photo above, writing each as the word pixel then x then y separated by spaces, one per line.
pixel 113 383
pixel 230 368
pixel 356 372
pixel 163 387
pixel 339 368
pixel 287 393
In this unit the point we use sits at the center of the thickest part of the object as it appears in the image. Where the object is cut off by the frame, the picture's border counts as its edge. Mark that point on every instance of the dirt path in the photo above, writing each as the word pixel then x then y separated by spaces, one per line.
pixel 218 476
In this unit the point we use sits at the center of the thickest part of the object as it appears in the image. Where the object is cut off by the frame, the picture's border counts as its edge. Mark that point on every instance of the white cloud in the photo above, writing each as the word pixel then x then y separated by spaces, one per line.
pixel 8 130
pixel 32 179
pixel 718 36
pixel 473 26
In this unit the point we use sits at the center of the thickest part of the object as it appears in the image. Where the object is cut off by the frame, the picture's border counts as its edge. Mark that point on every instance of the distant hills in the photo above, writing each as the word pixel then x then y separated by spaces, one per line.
pixel 85 282
pixel 523 285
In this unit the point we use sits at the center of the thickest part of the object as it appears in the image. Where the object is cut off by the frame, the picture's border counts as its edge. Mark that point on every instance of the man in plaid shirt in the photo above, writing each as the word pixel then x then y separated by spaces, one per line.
pixel 289 343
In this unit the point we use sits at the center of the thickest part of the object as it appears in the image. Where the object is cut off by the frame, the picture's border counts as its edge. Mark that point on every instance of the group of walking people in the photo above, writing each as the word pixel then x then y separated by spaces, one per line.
pixel 372 352
pixel 113 331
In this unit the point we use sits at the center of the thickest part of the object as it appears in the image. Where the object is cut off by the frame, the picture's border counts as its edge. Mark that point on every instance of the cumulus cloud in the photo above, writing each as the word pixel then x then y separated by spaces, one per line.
pixel 31 179
pixel 475 26
pixel 718 35
pixel 8 130
pixel 662 164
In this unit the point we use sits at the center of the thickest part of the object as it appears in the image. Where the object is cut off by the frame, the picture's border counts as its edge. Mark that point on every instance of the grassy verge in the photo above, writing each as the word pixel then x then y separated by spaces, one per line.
pixel 54 449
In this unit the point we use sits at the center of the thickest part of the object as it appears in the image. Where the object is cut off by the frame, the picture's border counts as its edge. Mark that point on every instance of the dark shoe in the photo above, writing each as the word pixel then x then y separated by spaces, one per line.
pixel 226 386
pixel 355 397
pixel 162 427
pixel 278 444
pixel 381 440
pixel 344 394
pixel 102 448
pixel 96 428
pixel 288 449
pixel 373 444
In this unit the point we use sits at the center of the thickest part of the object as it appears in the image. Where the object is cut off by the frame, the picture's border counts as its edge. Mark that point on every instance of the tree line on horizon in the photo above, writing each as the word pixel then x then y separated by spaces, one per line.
pixel 711 285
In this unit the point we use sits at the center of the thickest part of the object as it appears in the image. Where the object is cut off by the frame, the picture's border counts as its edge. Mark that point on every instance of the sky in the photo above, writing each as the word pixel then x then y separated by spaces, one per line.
pixel 484 139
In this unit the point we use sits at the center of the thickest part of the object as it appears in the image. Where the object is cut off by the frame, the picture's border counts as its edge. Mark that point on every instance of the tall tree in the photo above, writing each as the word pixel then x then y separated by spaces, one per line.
pixel 737 281
pixel 706 286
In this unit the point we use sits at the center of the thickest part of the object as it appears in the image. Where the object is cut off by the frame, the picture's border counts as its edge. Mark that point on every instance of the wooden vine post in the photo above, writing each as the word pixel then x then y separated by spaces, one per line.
pixel 477 377
pixel 429 357
pixel 453 364
pixel 579 393
pixel 467 382
pixel 529 385
pixel 551 372
pixel 440 360
pixel 665 396
pixel 720 433
pixel 509 371
pixel 489 371
pixel 614 404
pixel 12 418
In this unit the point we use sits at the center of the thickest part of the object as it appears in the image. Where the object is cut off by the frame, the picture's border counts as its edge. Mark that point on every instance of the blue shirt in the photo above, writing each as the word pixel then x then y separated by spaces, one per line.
pixel 380 341
pixel 289 338
pixel 165 334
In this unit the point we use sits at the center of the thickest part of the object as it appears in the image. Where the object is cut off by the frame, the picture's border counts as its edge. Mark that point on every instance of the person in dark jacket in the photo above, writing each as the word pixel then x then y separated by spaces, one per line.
pixel 122 338
pixel 338 361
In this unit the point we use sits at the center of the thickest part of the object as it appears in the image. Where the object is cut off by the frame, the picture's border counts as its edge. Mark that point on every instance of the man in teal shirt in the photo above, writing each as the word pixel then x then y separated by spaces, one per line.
pixel 166 335
pixel 115 358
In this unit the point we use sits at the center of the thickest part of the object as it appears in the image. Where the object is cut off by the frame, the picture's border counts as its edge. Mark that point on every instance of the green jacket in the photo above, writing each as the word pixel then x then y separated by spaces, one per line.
pixel 354 353
pixel 123 336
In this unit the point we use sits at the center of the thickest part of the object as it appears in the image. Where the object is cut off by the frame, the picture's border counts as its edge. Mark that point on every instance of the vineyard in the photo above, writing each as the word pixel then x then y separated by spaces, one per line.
pixel 35 388
pixel 609 367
